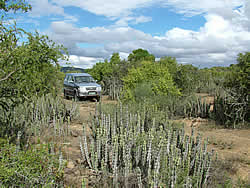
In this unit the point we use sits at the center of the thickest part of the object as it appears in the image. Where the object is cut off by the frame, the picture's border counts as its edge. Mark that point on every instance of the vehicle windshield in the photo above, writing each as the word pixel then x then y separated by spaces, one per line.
pixel 87 79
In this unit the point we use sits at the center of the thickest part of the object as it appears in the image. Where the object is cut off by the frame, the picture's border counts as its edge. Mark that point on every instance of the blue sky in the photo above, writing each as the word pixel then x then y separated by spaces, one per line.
pixel 203 33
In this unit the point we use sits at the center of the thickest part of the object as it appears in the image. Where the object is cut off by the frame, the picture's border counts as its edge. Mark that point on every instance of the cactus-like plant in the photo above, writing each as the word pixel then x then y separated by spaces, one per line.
pixel 137 145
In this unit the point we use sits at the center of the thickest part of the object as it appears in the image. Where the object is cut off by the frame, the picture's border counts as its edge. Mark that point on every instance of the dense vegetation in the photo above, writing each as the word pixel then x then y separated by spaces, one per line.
pixel 30 79
pixel 135 143
pixel 129 146
pixel 142 79
pixel 28 68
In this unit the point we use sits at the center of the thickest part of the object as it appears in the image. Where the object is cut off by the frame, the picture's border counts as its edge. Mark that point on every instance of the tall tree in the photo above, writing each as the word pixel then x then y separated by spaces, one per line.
pixel 26 68
pixel 29 68
pixel 140 55
pixel 115 59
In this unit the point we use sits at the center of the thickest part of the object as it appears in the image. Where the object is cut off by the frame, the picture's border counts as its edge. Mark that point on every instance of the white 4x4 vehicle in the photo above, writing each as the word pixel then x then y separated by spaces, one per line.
pixel 81 85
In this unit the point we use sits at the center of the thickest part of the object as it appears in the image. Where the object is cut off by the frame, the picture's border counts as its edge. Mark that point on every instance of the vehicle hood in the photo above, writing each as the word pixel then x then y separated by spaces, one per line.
pixel 88 84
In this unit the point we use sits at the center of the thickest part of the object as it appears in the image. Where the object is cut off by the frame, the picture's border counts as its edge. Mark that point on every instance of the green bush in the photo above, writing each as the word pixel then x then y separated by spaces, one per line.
pixel 28 68
pixel 232 107
pixel 34 167
pixel 230 110
pixel 142 91
pixel 172 106
pixel 152 74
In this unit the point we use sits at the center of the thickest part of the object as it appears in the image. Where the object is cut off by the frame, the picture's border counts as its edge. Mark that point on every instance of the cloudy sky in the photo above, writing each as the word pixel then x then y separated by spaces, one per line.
pixel 204 33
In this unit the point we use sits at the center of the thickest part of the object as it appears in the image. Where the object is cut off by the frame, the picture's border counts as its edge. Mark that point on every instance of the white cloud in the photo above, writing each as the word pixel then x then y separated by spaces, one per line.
pixel 109 8
pixel 124 55
pixel 142 19
pixel 123 13
pixel 82 62
pixel 195 7
pixel 125 21
pixel 224 34
pixel 66 31
pixel 45 8
pixel 124 8
pixel 70 19
pixel 216 43
pixel 120 11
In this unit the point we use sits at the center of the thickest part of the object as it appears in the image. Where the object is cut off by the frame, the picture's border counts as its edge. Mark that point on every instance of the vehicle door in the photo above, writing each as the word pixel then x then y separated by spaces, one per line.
pixel 71 85
pixel 65 84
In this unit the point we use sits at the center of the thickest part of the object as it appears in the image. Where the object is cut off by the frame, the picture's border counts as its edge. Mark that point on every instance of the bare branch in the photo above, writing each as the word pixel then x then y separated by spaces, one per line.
pixel 9 75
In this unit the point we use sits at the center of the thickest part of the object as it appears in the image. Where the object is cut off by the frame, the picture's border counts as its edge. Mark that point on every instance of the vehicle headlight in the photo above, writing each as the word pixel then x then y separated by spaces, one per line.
pixel 99 89
pixel 82 89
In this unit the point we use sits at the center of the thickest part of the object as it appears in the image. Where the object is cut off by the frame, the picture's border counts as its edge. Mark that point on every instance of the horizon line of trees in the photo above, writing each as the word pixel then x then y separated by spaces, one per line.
pixel 141 77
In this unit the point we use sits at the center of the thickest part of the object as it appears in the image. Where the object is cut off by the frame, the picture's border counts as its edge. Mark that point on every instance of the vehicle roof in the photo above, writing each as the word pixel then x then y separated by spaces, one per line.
pixel 78 74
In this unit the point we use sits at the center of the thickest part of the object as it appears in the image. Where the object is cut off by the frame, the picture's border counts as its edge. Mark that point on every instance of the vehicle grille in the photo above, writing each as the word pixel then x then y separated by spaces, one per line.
pixel 90 88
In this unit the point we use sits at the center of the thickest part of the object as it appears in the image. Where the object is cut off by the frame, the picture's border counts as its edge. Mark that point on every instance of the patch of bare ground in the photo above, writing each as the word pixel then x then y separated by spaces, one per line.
pixel 231 145
pixel 206 97
pixel 74 173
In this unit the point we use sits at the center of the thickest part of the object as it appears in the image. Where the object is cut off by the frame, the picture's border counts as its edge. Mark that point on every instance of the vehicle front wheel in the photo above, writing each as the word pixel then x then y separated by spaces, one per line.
pixel 76 98
pixel 98 98
pixel 64 95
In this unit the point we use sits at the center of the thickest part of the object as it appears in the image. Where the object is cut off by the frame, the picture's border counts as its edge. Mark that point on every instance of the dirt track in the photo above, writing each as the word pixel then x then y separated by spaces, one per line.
pixel 74 173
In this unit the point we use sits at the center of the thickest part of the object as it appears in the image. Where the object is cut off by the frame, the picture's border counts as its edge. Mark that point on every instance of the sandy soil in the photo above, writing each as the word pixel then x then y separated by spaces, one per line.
pixel 231 145
pixel 74 173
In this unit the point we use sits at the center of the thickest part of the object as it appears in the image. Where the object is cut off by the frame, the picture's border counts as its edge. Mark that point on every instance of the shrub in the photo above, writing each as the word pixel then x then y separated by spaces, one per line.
pixel 34 167
pixel 28 68
pixel 233 107
pixel 230 110
pixel 173 106
pixel 32 116
pixel 154 74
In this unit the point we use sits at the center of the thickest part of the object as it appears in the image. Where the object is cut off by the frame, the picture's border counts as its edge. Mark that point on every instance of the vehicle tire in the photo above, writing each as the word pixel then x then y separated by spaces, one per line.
pixel 64 95
pixel 98 99
pixel 76 98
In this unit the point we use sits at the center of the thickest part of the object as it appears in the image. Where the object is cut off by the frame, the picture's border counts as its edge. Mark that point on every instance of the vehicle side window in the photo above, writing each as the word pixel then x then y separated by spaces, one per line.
pixel 70 78
pixel 66 78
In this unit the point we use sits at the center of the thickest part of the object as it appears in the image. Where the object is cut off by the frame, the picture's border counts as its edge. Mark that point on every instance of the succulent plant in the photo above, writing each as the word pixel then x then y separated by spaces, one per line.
pixel 138 149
